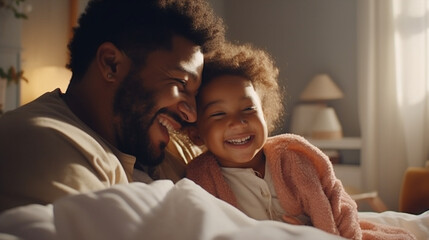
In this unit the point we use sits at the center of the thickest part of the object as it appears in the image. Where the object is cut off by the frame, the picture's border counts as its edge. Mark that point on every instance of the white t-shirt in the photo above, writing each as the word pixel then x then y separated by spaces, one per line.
pixel 46 152
pixel 256 197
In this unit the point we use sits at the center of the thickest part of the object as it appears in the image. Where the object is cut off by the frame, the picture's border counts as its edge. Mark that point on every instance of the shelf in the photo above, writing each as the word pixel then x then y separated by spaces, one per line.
pixel 338 144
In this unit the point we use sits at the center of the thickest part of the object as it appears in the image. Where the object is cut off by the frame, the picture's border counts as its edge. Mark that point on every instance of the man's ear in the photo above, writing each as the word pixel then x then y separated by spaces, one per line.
pixel 112 62
pixel 192 132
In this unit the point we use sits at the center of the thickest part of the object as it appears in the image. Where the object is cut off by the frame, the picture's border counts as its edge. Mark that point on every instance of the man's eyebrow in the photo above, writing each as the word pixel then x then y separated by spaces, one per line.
pixel 192 74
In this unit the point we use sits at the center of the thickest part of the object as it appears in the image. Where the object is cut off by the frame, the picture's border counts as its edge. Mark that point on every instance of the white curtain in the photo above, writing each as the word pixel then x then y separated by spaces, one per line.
pixel 393 67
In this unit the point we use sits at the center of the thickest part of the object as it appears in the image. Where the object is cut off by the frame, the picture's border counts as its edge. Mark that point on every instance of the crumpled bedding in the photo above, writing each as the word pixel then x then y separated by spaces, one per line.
pixel 163 210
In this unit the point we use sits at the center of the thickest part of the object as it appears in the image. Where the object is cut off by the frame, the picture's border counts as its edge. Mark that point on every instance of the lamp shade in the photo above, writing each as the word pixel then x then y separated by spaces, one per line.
pixel 303 117
pixel 320 88
pixel 326 125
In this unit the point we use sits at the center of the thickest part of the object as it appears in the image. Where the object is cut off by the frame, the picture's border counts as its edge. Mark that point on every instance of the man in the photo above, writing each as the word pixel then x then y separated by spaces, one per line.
pixel 136 70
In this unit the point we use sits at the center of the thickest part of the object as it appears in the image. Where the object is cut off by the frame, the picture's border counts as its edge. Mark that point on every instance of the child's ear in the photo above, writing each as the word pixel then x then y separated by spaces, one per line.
pixel 192 132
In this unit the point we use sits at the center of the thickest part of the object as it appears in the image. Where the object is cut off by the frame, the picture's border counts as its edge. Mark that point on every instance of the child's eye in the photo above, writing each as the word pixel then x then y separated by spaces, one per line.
pixel 217 114
pixel 250 109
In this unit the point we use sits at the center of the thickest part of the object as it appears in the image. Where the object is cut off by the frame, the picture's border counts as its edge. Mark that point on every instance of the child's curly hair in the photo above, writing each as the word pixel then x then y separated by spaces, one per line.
pixel 254 64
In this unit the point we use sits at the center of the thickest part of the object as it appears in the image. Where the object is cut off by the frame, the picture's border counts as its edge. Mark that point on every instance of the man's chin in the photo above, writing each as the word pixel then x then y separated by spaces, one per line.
pixel 156 161
pixel 152 159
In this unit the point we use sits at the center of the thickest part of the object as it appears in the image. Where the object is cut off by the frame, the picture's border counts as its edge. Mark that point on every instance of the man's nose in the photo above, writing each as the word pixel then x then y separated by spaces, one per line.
pixel 188 111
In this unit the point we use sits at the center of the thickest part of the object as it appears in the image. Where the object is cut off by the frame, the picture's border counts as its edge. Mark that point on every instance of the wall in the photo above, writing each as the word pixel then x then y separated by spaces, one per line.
pixel 10 53
pixel 44 41
pixel 305 37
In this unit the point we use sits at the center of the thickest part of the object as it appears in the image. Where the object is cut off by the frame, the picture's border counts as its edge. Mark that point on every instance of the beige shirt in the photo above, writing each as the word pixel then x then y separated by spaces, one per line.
pixel 46 153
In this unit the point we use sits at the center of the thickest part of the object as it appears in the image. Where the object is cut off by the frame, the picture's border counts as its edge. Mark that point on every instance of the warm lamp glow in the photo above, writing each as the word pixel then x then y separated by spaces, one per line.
pixel 44 79
pixel 321 88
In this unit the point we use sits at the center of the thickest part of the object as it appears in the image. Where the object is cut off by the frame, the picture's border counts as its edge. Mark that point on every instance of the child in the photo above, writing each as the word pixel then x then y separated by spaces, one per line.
pixel 269 178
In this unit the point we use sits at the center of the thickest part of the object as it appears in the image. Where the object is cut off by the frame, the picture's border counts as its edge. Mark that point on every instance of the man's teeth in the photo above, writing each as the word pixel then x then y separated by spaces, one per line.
pixel 239 141
pixel 166 124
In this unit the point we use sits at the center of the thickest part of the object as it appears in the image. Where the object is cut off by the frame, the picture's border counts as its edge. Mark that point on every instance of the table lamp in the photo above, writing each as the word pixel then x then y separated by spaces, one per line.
pixel 314 118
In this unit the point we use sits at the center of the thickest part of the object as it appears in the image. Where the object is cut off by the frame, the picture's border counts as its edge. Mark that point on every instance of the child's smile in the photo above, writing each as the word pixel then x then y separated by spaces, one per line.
pixel 240 141
pixel 230 120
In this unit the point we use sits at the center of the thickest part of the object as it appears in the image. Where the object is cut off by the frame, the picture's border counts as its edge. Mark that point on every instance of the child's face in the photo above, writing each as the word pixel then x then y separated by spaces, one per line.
pixel 231 121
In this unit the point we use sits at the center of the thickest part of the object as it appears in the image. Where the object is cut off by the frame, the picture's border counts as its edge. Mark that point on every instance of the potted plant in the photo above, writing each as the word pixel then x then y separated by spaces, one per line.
pixel 13 5
pixel 11 75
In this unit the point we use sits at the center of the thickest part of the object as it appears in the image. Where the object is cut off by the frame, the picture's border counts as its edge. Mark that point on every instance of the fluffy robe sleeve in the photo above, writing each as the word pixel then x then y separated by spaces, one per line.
pixel 306 184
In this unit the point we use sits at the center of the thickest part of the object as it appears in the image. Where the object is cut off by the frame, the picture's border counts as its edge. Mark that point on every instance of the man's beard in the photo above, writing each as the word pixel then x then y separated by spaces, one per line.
pixel 135 106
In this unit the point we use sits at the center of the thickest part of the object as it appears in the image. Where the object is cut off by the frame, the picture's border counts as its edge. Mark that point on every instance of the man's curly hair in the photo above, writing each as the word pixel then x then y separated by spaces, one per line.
pixel 138 27
pixel 253 64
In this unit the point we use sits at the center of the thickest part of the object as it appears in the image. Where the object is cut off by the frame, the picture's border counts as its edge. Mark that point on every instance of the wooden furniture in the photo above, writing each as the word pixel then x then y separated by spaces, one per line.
pixel 414 196
pixel 372 199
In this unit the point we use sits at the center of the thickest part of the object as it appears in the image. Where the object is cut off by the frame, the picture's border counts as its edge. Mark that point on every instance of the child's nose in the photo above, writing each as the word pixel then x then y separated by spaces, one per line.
pixel 239 121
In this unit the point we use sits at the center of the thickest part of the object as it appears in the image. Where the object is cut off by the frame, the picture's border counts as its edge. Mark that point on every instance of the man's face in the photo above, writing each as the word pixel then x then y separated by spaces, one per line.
pixel 157 99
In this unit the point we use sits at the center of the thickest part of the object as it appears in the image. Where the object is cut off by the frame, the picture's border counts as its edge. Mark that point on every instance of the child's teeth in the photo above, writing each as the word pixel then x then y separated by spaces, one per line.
pixel 239 141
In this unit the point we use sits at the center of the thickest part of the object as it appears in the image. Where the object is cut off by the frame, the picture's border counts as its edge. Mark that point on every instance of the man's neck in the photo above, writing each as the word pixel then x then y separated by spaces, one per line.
pixel 91 108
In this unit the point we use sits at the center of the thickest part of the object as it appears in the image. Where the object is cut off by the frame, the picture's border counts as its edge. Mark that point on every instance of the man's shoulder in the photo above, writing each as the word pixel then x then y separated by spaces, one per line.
pixel 38 115
pixel 42 123
pixel 45 105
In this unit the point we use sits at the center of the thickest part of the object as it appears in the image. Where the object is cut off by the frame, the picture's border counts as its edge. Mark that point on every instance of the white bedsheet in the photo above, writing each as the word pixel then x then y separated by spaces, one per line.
pixel 161 210
pixel 417 224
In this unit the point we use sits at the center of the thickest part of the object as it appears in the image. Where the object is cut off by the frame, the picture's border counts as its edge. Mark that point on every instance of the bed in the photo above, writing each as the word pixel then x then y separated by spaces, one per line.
pixel 164 210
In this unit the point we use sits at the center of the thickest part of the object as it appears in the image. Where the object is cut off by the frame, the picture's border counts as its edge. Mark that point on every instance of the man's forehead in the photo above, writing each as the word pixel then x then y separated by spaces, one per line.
pixel 194 64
